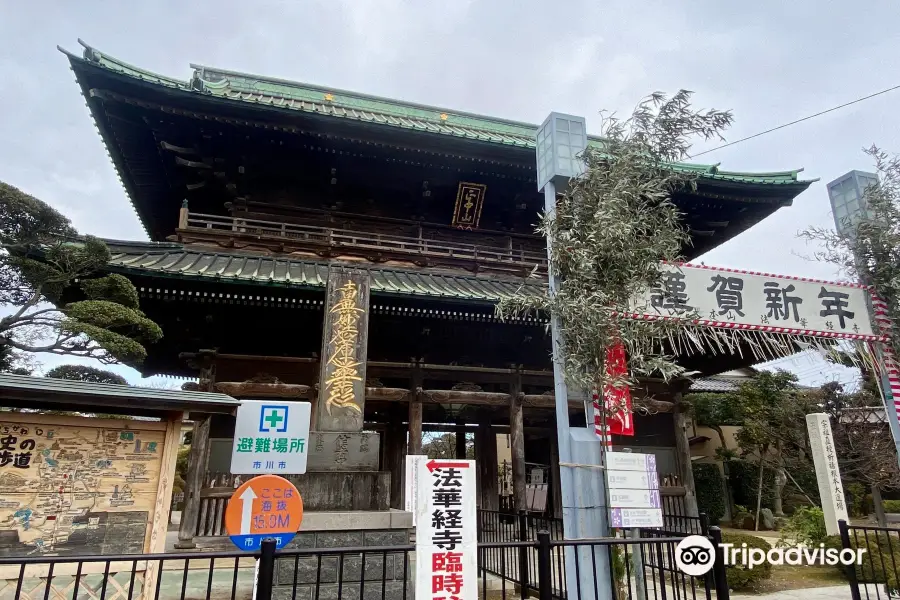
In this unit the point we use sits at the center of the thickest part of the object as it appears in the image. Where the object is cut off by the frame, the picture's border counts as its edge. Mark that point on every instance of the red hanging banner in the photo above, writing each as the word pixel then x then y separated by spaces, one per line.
pixel 620 419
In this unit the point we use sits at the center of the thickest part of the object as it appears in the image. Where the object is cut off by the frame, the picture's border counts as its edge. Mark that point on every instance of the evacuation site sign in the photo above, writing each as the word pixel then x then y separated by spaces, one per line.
pixel 446 536
pixel 266 507
pixel 633 490
pixel 271 437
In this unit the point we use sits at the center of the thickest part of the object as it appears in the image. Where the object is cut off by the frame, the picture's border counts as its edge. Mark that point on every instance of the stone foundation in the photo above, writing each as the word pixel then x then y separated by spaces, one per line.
pixel 347 530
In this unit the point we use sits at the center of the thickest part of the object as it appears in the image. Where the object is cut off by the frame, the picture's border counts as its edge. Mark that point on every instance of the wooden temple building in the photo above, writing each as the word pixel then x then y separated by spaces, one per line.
pixel 314 243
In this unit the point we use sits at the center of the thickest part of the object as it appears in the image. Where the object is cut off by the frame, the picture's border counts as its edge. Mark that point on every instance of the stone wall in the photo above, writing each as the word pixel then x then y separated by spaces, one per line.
pixel 339 576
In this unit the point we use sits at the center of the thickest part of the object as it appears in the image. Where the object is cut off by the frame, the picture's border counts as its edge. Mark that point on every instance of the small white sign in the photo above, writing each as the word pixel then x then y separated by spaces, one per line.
pixel 831 489
pixel 634 499
pixel 640 480
pixel 411 483
pixel 446 534
pixel 636 517
pixel 630 461
pixel 271 436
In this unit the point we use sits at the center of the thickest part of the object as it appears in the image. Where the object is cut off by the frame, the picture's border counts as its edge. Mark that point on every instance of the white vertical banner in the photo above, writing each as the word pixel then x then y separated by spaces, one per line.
pixel 411 483
pixel 828 474
pixel 446 534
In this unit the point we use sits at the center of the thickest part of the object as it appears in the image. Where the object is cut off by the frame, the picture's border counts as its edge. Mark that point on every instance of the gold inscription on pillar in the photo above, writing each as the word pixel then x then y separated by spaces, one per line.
pixel 342 361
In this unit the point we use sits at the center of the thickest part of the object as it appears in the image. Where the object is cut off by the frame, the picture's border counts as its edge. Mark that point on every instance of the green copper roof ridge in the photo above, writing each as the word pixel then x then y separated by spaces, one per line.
pixel 92 55
pixel 529 128
pixel 523 130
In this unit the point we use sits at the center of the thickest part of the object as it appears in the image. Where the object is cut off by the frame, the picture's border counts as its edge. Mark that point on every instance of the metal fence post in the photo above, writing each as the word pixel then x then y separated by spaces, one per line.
pixel 851 569
pixel 722 592
pixel 704 524
pixel 544 574
pixel 266 575
pixel 524 583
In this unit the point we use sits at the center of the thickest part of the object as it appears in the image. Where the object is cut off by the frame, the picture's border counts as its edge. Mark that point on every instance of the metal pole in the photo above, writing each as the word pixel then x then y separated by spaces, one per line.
pixel 721 579
pixel 266 573
pixel 544 570
pixel 585 511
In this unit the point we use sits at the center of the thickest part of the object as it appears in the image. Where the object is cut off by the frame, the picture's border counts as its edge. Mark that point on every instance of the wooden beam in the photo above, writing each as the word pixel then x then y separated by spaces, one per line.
pixel 465 397
pixel 250 389
pixel 385 393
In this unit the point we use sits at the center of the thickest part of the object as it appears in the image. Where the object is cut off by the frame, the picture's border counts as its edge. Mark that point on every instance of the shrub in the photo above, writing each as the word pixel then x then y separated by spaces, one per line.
pixel 878 561
pixel 710 486
pixel 892 506
pixel 740 577
pixel 806 526
pixel 743 478
pixel 857 496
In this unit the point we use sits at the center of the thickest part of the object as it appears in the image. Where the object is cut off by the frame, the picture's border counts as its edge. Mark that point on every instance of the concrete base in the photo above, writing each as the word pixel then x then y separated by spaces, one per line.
pixel 385 573
pixel 356 520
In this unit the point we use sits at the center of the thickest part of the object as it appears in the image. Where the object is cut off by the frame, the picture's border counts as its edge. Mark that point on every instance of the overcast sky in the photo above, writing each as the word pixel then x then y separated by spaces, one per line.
pixel 769 61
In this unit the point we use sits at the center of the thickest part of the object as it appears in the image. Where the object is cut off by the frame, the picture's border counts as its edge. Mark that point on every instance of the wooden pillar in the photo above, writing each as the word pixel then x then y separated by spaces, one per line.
pixel 183 215
pixel 555 488
pixel 460 437
pixel 345 333
pixel 415 412
pixel 517 443
pixel 394 454
pixel 486 457
pixel 683 455
pixel 193 483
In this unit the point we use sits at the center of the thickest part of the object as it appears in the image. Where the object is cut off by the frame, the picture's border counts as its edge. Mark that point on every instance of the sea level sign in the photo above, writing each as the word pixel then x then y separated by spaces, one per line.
pixel 265 507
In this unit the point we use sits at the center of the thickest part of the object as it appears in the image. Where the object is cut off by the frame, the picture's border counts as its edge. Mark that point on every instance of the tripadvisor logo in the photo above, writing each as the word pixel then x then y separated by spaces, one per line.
pixel 695 555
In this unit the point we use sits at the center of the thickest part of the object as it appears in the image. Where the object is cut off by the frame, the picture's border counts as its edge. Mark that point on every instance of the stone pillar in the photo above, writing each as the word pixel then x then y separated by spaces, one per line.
pixel 517 444
pixel 486 462
pixel 193 483
pixel 342 376
pixel 461 442
pixel 394 460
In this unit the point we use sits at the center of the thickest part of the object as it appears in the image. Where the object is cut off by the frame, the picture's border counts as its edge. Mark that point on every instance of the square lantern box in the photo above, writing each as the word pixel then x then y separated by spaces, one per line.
pixel 560 141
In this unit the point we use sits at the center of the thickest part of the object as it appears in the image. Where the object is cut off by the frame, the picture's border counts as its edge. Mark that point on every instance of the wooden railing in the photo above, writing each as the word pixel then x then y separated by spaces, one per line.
pixel 364 242
pixel 211 517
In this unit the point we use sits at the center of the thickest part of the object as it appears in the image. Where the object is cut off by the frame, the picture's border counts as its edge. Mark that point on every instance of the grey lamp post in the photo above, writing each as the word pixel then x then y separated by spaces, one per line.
pixel 560 140
pixel 848 206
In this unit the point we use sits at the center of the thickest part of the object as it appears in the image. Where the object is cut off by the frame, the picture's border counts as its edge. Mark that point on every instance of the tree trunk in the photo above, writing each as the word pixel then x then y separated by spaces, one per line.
pixel 759 492
pixel 729 494
pixel 878 504
pixel 780 481
pixel 683 459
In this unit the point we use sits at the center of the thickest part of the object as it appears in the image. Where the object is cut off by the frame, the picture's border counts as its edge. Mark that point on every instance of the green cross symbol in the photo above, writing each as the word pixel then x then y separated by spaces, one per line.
pixel 273 420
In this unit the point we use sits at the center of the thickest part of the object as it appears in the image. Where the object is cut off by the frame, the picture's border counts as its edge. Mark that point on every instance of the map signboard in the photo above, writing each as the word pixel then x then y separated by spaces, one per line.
pixel 271 437
pixel 72 485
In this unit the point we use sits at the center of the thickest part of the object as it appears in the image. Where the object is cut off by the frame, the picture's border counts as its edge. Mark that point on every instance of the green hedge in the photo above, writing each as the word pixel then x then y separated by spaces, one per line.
pixel 711 496
pixel 891 506
pixel 739 577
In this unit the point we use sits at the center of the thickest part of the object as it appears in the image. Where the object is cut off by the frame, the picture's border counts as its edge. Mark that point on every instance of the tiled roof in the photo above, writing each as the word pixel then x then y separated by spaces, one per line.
pixel 174 260
pixel 295 96
pixel 714 384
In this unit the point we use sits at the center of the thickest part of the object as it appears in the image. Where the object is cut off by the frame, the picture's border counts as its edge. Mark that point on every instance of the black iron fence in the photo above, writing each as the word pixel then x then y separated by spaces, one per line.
pixel 624 569
pixel 878 574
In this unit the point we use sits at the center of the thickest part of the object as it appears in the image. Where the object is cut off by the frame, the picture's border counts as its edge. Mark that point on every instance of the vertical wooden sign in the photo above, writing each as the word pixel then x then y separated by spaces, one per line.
pixel 342 378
